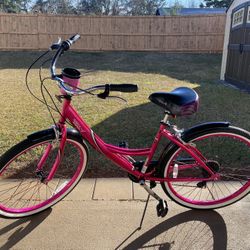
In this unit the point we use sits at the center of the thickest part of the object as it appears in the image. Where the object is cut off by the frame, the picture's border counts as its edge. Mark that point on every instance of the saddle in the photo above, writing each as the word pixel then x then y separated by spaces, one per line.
pixel 181 101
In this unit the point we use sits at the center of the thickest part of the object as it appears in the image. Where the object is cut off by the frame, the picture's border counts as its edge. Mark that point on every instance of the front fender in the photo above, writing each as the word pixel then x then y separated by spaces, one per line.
pixel 50 134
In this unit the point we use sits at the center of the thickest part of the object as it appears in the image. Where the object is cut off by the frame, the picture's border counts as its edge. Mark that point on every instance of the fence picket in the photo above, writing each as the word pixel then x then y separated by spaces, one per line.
pixel 119 33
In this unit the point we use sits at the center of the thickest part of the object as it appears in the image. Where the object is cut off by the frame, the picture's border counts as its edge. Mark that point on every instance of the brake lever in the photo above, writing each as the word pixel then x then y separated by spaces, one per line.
pixel 105 94
pixel 56 45
pixel 118 97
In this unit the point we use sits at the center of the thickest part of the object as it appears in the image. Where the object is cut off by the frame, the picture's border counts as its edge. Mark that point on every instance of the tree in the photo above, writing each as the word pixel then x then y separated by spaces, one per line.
pixel 116 7
pixel 174 10
pixel 100 7
pixel 143 7
pixel 88 7
pixel 63 7
pixel 41 6
pixel 202 5
pixel 54 7
pixel 218 3
pixel 191 4
pixel 17 6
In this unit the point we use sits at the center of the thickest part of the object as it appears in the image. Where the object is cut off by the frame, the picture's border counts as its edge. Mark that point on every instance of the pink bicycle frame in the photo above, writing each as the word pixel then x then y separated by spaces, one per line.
pixel 120 155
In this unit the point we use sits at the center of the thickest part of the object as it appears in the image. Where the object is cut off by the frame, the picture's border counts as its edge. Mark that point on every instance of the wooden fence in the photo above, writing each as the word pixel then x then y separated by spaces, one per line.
pixel 142 33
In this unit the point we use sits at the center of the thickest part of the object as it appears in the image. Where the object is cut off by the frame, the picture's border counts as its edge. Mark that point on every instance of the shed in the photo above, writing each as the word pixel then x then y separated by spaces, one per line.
pixel 235 67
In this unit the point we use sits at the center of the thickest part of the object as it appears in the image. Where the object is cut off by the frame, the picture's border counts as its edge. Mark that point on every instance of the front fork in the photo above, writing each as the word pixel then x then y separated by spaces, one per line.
pixel 60 132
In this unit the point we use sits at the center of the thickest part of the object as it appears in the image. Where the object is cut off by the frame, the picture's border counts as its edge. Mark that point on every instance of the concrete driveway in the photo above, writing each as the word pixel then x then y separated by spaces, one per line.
pixel 105 214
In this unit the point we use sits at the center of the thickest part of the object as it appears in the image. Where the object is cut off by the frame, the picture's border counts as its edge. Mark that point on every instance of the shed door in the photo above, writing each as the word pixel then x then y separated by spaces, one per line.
pixel 237 70
pixel 246 50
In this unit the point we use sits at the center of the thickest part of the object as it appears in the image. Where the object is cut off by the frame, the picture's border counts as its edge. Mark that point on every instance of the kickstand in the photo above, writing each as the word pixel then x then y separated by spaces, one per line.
pixel 144 212
pixel 138 228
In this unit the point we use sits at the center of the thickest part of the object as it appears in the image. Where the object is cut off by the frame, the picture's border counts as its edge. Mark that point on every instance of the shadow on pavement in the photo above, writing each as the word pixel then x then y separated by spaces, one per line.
pixel 22 227
pixel 188 230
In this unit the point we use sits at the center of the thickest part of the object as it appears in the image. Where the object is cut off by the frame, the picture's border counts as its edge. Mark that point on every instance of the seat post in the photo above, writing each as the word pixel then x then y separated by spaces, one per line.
pixel 165 119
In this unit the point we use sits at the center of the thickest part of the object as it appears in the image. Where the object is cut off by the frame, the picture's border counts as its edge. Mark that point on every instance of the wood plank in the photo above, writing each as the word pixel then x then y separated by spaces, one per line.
pixel 99 33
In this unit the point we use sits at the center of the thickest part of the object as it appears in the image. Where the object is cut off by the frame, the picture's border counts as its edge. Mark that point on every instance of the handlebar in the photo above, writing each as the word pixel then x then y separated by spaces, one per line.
pixel 64 46
pixel 61 47
pixel 75 38
pixel 125 87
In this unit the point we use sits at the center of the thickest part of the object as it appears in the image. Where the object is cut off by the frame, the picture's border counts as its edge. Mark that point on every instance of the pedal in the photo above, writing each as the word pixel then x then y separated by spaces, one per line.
pixel 162 208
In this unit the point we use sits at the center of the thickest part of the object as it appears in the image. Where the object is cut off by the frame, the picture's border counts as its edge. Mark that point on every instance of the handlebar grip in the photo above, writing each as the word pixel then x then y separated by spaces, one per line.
pixel 74 38
pixel 66 44
pixel 125 87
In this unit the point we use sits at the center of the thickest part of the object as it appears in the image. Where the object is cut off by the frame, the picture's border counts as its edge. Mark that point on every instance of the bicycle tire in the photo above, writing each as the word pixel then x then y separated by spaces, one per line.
pixel 22 191
pixel 231 162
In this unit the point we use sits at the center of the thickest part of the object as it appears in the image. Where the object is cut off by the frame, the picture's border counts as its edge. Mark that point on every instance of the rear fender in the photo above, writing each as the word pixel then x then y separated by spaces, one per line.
pixel 208 126
pixel 203 127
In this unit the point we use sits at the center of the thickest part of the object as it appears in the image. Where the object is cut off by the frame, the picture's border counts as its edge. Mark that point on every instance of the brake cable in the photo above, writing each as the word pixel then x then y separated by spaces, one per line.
pixel 103 95
pixel 27 73
pixel 45 101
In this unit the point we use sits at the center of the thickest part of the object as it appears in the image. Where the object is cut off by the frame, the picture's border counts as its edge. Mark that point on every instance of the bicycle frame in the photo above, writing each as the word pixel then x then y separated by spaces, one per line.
pixel 120 155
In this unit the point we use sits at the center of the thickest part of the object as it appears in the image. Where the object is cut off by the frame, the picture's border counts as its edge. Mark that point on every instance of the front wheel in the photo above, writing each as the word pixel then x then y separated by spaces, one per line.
pixel 227 153
pixel 23 190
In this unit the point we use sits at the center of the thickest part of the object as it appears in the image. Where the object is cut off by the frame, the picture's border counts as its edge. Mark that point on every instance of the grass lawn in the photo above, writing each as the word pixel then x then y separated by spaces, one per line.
pixel 135 122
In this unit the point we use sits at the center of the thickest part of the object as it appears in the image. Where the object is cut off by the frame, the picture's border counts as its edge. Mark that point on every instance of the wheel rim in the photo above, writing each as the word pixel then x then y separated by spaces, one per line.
pixel 232 152
pixel 21 190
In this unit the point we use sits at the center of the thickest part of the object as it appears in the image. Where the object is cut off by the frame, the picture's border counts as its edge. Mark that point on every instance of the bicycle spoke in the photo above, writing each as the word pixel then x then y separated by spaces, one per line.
pixel 23 191
pixel 34 191
pixel 189 192
pixel 210 192
pixel 227 188
pixel 7 190
pixel 59 180
pixel 184 185
pixel 28 200
pixel 235 188
pixel 227 155
pixel 36 199
pixel 18 199
pixel 232 176
pixel 15 193
pixel 51 189
pixel 220 189
pixel 199 190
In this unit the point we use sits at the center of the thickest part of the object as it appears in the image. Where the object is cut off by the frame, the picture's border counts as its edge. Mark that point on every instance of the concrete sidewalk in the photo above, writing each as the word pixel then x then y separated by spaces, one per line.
pixel 105 214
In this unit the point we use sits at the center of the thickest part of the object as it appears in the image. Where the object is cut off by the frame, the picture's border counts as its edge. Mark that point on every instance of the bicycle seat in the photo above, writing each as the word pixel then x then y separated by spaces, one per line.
pixel 179 102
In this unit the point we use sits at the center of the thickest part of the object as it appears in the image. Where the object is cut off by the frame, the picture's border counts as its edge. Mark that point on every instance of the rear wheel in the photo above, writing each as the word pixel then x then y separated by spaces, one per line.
pixel 23 191
pixel 227 154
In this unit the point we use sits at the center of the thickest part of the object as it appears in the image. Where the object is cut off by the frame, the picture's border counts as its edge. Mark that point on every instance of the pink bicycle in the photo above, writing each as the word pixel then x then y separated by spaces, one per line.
pixel 204 167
